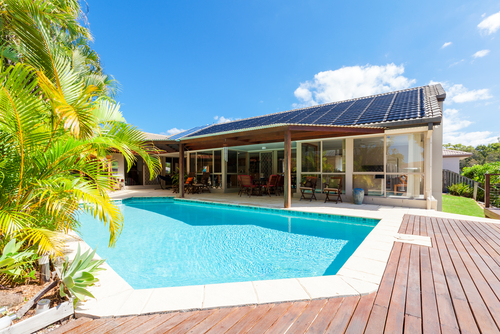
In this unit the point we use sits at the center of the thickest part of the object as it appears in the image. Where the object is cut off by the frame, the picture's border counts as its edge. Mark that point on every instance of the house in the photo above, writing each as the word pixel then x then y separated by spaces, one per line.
pixel 388 144
pixel 451 159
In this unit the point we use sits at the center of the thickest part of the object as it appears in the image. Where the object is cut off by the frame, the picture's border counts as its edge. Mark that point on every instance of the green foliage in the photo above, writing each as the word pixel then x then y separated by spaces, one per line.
pixel 460 189
pixel 481 154
pixel 477 172
pixel 58 125
pixel 17 264
pixel 79 275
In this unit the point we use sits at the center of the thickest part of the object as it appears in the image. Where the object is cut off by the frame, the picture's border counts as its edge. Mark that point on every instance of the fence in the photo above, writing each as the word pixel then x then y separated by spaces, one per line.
pixel 491 191
pixel 450 178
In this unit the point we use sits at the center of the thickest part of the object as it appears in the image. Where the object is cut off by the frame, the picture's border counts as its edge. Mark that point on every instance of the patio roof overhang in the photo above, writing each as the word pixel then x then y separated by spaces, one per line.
pixel 274 133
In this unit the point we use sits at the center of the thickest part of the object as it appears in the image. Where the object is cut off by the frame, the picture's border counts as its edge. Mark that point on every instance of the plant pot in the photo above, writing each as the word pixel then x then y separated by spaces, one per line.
pixel 358 195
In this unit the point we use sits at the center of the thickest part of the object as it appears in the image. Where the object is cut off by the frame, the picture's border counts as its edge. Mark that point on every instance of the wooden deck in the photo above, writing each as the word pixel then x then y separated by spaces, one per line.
pixel 451 287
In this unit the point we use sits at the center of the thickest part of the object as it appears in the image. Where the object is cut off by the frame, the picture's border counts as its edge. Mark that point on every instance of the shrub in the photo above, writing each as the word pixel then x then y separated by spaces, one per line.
pixel 79 275
pixel 460 189
pixel 477 172
pixel 17 265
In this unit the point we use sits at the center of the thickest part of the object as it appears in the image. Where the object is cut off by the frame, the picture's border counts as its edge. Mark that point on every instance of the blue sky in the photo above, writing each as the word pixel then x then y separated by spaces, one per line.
pixel 187 63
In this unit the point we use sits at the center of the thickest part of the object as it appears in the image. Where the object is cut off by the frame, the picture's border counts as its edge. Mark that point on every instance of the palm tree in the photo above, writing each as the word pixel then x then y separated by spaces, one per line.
pixel 58 122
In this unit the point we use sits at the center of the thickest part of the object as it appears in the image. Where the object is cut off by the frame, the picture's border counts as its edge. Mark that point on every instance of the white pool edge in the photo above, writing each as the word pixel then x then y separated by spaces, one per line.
pixel 360 275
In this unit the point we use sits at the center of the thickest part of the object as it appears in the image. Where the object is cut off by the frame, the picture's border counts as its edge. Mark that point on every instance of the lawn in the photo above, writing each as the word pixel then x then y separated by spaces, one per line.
pixel 462 206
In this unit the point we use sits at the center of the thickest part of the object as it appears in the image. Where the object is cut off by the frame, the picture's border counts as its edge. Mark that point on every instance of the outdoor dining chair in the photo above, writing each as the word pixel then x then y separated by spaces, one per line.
pixel 271 185
pixel 335 189
pixel 309 185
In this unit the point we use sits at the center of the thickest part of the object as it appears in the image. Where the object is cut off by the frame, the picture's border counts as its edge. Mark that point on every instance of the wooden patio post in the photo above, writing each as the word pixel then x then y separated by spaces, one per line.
pixel 288 169
pixel 181 170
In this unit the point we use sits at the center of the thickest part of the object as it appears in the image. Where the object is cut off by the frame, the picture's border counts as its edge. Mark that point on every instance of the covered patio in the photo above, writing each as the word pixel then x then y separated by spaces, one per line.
pixel 284 133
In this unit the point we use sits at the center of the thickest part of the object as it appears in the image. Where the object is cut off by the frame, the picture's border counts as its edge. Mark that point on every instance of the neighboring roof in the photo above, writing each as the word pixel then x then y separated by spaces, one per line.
pixel 414 105
pixel 188 132
pixel 455 154
pixel 154 136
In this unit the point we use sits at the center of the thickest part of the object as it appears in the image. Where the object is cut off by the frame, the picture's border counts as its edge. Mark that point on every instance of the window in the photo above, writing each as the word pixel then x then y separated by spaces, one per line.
pixel 368 155
pixel 310 157
pixel 405 165
pixel 372 184
pixel 333 156
pixel 405 153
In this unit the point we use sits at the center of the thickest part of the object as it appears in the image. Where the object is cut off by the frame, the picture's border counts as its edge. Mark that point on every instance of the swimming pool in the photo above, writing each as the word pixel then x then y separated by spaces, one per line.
pixel 167 243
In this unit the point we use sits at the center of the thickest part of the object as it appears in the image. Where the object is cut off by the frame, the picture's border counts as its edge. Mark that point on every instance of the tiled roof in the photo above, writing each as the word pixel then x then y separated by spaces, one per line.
pixel 419 103
pixel 188 132
pixel 453 153
pixel 154 136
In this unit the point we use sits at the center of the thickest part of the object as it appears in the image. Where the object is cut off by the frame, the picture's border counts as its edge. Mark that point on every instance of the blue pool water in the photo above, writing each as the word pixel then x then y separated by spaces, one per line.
pixel 168 243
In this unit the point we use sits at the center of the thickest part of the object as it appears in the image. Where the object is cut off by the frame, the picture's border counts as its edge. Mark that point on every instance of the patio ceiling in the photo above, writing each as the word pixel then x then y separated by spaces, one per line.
pixel 274 134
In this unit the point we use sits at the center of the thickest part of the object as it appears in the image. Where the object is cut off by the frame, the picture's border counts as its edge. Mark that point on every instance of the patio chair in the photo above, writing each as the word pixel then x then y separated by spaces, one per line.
pixel 309 185
pixel 281 185
pixel 203 184
pixel 271 185
pixel 189 186
pixel 402 184
pixel 334 190
pixel 246 185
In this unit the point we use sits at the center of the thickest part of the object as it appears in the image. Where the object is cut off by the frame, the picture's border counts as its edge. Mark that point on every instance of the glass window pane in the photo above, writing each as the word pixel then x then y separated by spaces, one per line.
pixel 369 154
pixel 371 184
pixel 310 157
pixel 204 162
pixel 232 162
pixel 333 181
pixel 334 156
pixel 217 161
pixel 405 185
pixel 254 165
pixel 281 161
pixel 192 162
pixel 405 153
pixel 242 162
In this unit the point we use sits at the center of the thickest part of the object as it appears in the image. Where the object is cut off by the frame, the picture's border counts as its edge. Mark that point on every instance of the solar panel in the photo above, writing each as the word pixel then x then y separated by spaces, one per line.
pixel 377 110
pixel 331 116
pixel 311 117
pixel 352 114
pixel 187 132
pixel 394 106
pixel 405 106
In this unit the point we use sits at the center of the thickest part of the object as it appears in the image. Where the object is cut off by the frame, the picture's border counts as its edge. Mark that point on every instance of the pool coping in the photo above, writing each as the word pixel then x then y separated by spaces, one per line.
pixel 360 275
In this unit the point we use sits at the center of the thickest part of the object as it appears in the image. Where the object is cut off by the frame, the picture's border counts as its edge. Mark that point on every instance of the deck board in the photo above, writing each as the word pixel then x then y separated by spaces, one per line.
pixel 451 287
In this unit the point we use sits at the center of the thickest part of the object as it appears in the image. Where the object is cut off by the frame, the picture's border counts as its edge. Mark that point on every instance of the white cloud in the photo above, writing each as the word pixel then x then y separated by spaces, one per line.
pixel 452 121
pixel 490 24
pixel 172 132
pixel 222 119
pixel 457 93
pixel 481 54
pixel 452 126
pixel 457 62
pixel 350 82
pixel 446 44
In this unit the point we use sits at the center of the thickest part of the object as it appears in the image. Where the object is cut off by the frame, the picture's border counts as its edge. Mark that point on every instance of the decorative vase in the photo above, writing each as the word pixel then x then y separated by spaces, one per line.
pixel 358 194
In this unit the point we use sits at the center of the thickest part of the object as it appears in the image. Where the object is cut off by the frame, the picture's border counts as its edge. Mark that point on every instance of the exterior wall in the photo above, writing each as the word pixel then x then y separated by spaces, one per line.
pixel 121 163
pixel 451 163
pixel 437 165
